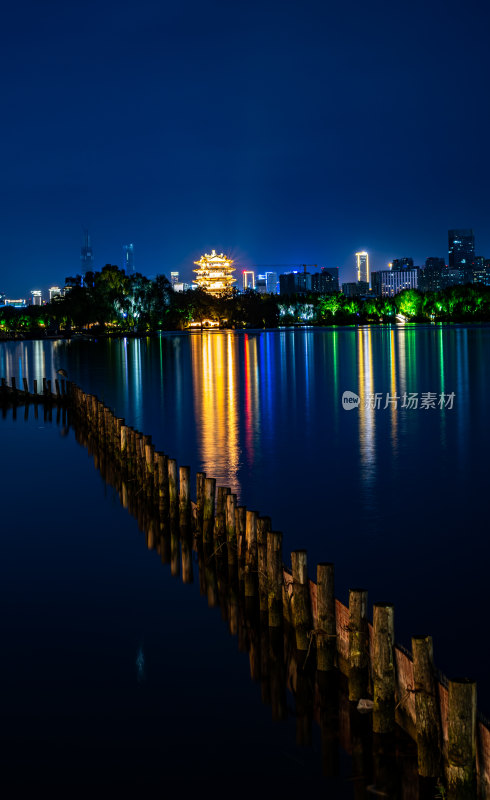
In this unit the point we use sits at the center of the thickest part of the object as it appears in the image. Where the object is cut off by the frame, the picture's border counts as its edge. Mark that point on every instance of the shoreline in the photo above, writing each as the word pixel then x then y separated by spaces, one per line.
pixel 91 337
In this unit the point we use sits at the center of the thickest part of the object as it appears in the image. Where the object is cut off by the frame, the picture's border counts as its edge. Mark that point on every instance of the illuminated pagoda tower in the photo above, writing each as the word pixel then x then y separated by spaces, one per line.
pixel 214 273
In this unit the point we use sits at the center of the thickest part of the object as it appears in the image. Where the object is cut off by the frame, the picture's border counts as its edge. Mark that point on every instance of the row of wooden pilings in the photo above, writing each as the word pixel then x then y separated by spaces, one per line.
pixel 254 551
pixel 40 392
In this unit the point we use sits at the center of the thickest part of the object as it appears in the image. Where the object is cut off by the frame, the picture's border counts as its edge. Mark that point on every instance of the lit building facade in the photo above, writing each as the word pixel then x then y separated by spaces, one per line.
pixel 214 273
pixel 54 291
pixel 248 279
pixel 37 297
pixel 362 265
pixel 128 257
pixel 389 282
pixel 174 278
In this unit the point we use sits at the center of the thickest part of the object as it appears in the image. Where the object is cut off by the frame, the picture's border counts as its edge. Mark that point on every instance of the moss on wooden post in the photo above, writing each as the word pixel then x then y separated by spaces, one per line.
pixel 383 668
pixel 326 641
pixel 427 712
pixel 461 746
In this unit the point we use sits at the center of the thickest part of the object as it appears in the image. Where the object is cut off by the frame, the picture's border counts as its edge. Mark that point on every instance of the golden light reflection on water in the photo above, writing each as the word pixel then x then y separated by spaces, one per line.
pixel 215 375
pixel 367 424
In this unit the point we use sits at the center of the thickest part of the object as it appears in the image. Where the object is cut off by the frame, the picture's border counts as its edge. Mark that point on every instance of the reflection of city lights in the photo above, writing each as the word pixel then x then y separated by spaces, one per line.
pixel 216 398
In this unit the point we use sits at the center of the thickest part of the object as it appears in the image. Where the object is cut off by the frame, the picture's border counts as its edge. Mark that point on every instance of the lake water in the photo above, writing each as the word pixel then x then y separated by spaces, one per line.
pixel 396 497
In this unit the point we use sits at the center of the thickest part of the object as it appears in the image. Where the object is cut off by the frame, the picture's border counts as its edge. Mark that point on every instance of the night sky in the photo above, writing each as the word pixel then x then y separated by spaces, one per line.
pixel 279 132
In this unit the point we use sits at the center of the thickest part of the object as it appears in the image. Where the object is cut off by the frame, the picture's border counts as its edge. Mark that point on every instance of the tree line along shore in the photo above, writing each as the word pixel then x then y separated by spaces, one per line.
pixel 111 302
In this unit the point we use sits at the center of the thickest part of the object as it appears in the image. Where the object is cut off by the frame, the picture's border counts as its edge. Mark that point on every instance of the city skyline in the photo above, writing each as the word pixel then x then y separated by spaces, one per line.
pixel 288 173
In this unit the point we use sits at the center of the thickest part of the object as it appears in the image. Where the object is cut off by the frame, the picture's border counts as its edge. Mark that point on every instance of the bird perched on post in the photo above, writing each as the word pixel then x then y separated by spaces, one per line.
pixel 62 372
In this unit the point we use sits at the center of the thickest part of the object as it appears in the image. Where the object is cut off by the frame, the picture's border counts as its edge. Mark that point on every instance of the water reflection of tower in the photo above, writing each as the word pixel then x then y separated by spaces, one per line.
pixel 367 425
pixel 216 380
pixel 87 256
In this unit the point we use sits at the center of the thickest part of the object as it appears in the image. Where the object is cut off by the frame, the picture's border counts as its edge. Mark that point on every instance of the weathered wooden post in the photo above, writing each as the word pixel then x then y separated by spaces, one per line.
pixel 250 573
pixel 13 384
pixel 326 617
pixel 150 470
pixel 383 668
pixel 45 387
pixel 263 527
pixel 358 644
pixel 223 492
pixel 57 385
pixel 230 522
pixel 26 386
pixel 172 486
pixel 35 386
pixel 200 479
pixel 184 496
pixel 300 600
pixel 275 578
pixel 208 510
pixel 241 535
pixel 461 746
pixel 162 481
pixel 124 442
pixel 427 712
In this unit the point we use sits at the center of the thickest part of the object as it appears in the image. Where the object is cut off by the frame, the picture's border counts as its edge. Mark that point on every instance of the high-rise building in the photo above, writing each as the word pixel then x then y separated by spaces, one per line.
pixel 54 291
pixel 294 283
pixel 434 276
pixel 356 289
pixel 271 282
pixel 362 264
pixel 461 246
pixel 214 273
pixel 37 297
pixel 326 281
pixel 87 256
pixel 261 284
pixel 128 258
pixel 174 278
pixel 401 263
pixel 248 279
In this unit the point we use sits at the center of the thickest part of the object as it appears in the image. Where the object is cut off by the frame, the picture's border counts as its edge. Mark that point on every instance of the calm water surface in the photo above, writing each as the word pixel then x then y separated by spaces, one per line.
pixel 397 498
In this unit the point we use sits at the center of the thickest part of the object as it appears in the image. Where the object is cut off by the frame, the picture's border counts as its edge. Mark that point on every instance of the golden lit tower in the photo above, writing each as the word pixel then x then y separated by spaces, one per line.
pixel 362 264
pixel 214 273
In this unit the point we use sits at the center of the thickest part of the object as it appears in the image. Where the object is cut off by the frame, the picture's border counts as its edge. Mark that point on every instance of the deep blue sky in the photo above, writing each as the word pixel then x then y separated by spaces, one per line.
pixel 280 132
